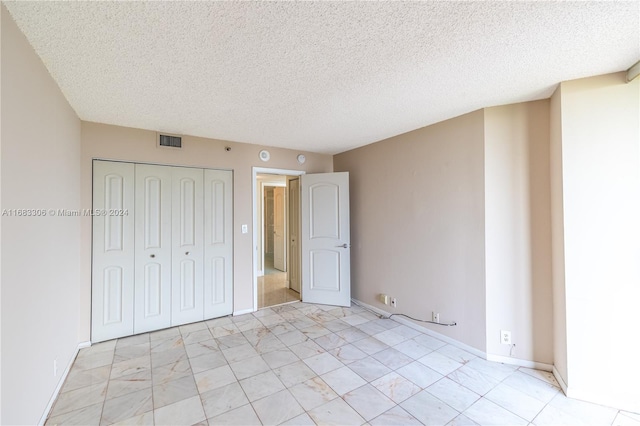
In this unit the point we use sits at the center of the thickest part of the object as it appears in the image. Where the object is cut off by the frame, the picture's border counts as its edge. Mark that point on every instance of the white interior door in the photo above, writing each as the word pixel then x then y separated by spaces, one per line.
pixel 113 251
pixel 187 287
pixel 218 243
pixel 326 266
pixel 294 234
pixel 153 248
pixel 279 230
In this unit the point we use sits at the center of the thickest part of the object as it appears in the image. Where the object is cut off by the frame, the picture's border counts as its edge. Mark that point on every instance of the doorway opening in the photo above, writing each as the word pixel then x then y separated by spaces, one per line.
pixel 276 230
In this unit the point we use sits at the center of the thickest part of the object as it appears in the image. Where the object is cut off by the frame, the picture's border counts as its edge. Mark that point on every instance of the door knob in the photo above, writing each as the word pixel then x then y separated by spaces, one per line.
pixel 345 245
pixel 187 253
pixel 152 256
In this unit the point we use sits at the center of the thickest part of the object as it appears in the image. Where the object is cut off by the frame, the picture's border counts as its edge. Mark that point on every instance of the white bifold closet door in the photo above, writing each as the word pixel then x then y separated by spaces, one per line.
pixel 153 248
pixel 187 248
pixel 113 251
pixel 168 260
pixel 218 243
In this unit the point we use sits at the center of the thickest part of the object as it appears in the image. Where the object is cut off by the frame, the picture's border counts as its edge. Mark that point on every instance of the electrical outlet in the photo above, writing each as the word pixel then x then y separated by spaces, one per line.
pixel 505 337
pixel 55 367
pixel 394 302
pixel 435 317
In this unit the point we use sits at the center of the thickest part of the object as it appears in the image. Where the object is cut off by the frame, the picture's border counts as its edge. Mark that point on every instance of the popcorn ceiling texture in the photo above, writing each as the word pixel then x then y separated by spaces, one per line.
pixel 317 76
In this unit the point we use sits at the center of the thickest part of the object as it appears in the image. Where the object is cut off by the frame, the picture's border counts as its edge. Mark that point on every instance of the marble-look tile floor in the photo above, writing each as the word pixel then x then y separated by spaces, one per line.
pixel 302 364
pixel 273 290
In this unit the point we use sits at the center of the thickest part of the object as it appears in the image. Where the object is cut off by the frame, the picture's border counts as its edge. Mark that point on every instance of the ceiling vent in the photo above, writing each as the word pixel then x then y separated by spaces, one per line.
pixel 169 140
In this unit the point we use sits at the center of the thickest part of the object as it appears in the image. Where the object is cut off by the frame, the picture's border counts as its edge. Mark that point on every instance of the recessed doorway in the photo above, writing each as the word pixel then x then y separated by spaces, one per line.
pixel 276 238
pixel 317 235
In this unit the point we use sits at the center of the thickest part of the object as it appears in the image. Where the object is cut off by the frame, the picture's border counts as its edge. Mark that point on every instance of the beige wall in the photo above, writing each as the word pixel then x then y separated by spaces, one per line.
pixel 557 238
pixel 518 230
pixel 40 255
pixel 120 143
pixel 600 119
pixel 417 224
pixel 455 216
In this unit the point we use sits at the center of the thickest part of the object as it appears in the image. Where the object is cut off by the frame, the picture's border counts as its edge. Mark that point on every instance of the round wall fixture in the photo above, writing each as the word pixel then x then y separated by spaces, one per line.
pixel 301 158
pixel 264 155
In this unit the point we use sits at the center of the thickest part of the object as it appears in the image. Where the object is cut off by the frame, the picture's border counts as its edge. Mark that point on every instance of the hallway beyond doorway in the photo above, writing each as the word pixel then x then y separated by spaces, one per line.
pixel 273 286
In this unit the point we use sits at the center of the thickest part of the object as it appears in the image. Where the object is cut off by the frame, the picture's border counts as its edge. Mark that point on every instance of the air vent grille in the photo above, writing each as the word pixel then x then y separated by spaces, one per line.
pixel 172 141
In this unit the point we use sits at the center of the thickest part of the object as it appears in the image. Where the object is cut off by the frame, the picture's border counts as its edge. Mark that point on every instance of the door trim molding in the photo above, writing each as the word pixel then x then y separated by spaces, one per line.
pixel 255 171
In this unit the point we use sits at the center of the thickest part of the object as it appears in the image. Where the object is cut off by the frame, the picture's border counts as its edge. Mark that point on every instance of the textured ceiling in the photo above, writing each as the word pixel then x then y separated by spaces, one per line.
pixel 318 76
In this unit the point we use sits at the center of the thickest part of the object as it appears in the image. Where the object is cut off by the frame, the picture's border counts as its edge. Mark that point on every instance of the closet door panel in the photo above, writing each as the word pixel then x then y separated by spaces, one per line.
pixel 187 304
pixel 113 251
pixel 153 248
pixel 218 243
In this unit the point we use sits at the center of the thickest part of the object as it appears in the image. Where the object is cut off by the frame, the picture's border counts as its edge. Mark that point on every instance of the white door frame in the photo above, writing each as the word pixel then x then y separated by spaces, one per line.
pixel 255 172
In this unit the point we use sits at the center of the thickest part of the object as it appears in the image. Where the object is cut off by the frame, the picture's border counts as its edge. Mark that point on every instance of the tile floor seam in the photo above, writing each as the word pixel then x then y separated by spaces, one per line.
pixel 106 392
pixel 515 414
pixel 194 380
pixel 244 393
pixel 498 384
pixel 153 409
pixel 538 414
pixel 540 411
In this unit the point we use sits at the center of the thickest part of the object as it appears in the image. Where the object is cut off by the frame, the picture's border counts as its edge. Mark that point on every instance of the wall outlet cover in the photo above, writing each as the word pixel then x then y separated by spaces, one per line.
pixel 505 337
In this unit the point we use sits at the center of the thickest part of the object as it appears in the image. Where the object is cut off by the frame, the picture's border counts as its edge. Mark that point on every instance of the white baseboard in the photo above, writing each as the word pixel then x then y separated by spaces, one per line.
pixel 425 330
pixel 560 380
pixel 459 344
pixel 520 362
pixel 63 377
pixel 242 312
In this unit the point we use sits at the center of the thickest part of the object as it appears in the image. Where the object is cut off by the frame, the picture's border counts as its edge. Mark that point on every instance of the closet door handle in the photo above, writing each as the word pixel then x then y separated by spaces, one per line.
pixel 152 256
pixel 187 253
